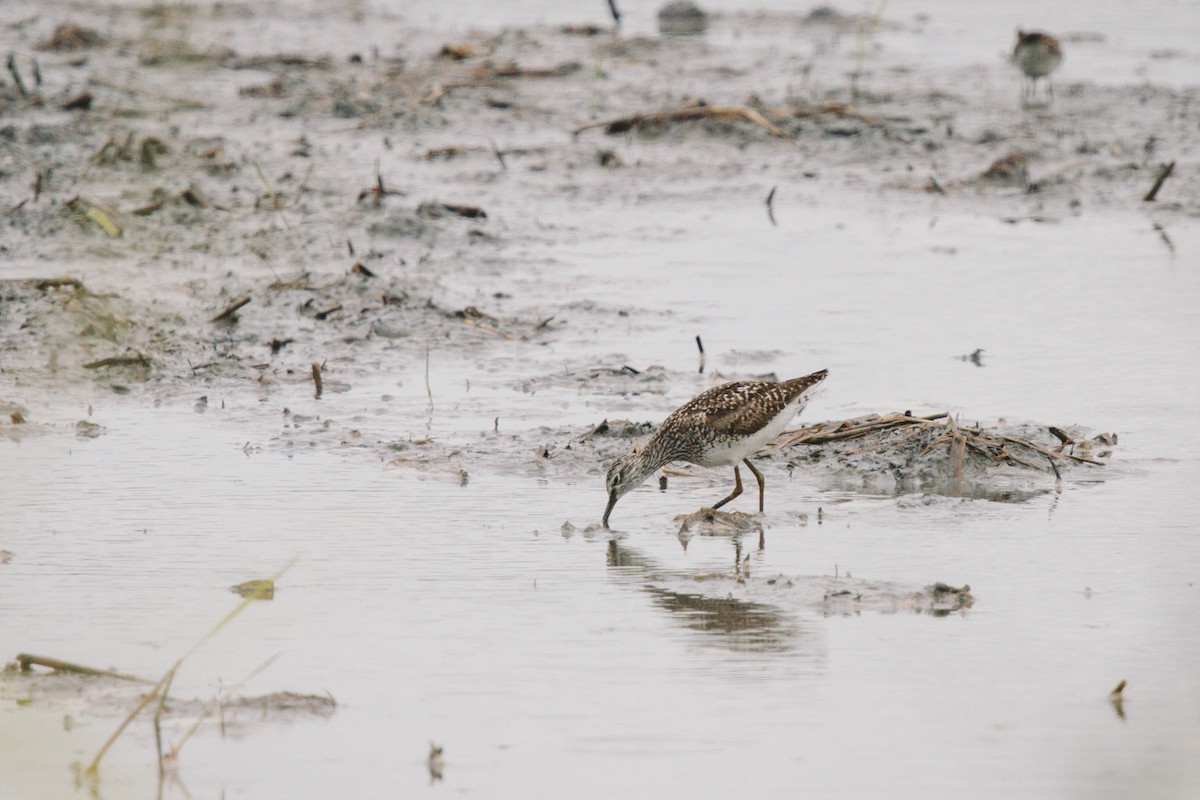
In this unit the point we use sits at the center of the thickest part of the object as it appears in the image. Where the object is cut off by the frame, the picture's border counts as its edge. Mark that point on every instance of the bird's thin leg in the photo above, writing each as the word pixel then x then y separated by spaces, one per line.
pixel 737 489
pixel 762 486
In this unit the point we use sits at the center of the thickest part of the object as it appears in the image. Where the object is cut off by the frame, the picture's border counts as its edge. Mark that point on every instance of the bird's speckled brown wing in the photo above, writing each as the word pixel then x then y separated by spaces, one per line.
pixel 743 407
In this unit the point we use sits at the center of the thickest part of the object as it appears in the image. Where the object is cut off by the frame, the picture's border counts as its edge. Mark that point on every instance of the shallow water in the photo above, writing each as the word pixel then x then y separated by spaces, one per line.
pixel 461 614
pixel 547 664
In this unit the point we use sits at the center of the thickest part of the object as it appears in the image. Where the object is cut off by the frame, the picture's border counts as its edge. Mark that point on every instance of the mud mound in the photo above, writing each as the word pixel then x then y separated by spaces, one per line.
pixel 895 453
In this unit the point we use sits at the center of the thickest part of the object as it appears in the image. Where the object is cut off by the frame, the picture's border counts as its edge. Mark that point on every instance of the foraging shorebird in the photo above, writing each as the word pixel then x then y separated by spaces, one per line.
pixel 1037 54
pixel 724 425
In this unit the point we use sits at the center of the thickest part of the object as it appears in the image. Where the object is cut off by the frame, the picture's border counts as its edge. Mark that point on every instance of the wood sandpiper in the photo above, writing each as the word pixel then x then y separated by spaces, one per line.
pixel 724 425
pixel 1036 54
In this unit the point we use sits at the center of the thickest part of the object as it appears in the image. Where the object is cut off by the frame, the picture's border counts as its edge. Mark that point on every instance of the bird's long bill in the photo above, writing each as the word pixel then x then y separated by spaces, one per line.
pixel 612 501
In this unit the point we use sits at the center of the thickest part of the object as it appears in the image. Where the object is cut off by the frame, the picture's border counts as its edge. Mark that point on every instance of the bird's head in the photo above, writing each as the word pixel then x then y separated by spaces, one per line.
pixel 625 474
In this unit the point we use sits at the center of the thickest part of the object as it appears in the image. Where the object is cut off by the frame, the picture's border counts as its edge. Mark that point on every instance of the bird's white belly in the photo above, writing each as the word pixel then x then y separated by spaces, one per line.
pixel 732 451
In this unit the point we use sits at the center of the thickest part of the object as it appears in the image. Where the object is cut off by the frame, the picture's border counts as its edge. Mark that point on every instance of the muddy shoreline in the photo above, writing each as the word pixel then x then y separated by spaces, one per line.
pixel 350 198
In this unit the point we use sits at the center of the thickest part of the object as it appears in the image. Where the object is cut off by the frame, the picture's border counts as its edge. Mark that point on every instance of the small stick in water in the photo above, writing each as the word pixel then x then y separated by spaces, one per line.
pixel 771 205
pixel 16 75
pixel 316 373
pixel 1162 178
pixel 700 347
pixel 26 660
pixel 499 154
pixel 1061 435
pixel 1117 698
pixel 231 309
pixel 616 15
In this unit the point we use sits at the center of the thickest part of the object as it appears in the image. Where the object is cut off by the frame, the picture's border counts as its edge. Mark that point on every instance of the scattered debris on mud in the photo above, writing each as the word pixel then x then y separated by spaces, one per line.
pixel 111 693
pixel 205 239
pixel 899 452
pixel 711 522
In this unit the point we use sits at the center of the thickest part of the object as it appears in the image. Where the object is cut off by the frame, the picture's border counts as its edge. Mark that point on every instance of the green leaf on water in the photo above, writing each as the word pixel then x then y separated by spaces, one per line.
pixel 259 589
pixel 104 221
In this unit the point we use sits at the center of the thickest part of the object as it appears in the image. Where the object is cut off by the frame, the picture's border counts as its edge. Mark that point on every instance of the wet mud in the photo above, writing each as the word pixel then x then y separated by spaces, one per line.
pixel 277 209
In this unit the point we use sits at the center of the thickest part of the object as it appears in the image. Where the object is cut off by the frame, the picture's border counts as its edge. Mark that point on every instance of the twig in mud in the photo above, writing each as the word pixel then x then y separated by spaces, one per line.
pixel 623 124
pixel 119 361
pixel 1162 177
pixel 78 102
pixel 1053 466
pixel 358 268
pixel 316 376
pixel 447 153
pixel 322 315
pixel 470 212
pixel 824 433
pixel 990 444
pixel 434 210
pixel 770 207
pixel 16 75
pixel 616 15
pixel 27 660
pixel 513 70
pixel 378 191
pixel 700 346
pixel 230 310
pixel 1061 435
pixel 94 766
pixel 499 154
pixel 280 60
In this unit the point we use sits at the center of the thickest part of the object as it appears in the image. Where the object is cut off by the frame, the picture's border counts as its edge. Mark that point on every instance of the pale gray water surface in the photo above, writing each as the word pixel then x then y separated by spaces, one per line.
pixel 461 614
pixel 551 664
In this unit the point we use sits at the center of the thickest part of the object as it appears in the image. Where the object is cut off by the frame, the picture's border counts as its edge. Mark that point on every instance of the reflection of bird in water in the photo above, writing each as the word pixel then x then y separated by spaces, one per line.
pixel 436 763
pixel 1037 54
pixel 741 625
pixel 724 425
